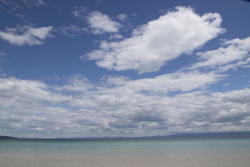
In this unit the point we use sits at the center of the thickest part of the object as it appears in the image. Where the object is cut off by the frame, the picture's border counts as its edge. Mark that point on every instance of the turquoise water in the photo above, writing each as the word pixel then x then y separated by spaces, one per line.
pixel 137 153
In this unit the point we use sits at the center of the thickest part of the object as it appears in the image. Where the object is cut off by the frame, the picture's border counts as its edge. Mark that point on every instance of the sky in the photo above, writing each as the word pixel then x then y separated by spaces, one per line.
pixel 97 68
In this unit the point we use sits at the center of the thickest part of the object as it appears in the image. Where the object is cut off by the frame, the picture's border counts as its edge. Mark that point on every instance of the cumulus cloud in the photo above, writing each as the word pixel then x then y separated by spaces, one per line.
pixel 154 44
pixel 233 54
pixel 101 23
pixel 26 35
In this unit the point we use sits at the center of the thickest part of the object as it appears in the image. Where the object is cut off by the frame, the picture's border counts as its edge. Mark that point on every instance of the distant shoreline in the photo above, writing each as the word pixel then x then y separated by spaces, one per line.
pixel 224 135
pixel 8 137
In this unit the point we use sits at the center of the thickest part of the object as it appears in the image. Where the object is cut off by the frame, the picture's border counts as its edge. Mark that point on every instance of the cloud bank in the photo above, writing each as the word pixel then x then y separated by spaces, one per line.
pixel 120 106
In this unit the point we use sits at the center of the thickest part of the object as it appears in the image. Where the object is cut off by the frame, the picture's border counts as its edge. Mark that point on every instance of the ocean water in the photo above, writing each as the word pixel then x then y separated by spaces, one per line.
pixel 126 153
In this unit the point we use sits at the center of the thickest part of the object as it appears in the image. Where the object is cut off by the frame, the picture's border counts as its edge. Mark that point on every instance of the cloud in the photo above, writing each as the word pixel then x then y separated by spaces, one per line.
pixel 2 61
pixel 170 103
pixel 101 23
pixel 20 4
pixel 76 83
pixel 26 35
pixel 127 115
pixel 71 30
pixel 79 11
pixel 18 7
pixel 122 17
pixel 115 37
pixel 119 106
pixel 152 45
pixel 179 81
pixel 26 90
pixel 233 54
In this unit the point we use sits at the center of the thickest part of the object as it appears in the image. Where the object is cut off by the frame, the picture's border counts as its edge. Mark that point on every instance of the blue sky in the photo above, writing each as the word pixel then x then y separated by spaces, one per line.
pixel 123 68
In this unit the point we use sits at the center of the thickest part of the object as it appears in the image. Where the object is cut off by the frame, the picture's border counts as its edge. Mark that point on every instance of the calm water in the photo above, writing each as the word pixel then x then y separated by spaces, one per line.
pixel 141 153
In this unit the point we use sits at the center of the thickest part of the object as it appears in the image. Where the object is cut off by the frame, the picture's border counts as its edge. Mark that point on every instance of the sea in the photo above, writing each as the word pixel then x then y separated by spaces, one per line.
pixel 230 152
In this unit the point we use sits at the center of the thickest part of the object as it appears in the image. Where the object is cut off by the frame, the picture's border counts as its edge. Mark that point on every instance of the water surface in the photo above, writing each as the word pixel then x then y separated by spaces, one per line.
pixel 126 153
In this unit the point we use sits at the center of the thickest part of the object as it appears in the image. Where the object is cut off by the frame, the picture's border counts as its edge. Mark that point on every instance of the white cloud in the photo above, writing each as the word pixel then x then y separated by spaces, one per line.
pixel 238 96
pixel 76 83
pixel 72 30
pixel 26 35
pixel 179 81
pixel 119 106
pixel 79 11
pixel 115 37
pixel 2 60
pixel 14 89
pixel 22 3
pixel 101 23
pixel 19 8
pixel 154 44
pixel 102 112
pixel 234 53
pixel 122 17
